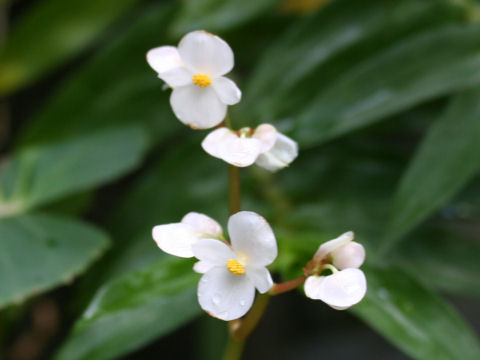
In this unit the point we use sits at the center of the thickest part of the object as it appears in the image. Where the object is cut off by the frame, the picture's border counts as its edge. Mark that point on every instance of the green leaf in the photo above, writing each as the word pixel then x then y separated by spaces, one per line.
pixel 217 15
pixel 417 69
pixel 40 174
pixel 116 87
pixel 448 157
pixel 442 259
pixel 414 318
pixel 53 31
pixel 134 309
pixel 40 251
pixel 315 53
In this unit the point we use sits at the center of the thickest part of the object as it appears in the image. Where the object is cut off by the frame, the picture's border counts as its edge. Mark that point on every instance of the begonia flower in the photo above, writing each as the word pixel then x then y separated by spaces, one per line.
pixel 343 288
pixel 194 70
pixel 177 238
pixel 231 273
pixel 264 146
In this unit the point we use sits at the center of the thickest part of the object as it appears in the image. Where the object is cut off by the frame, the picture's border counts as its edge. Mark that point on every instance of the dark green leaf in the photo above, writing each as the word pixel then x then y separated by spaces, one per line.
pixel 116 87
pixel 40 174
pixel 442 259
pixel 217 15
pixel 314 53
pixel 447 158
pixel 39 251
pixel 51 32
pixel 134 309
pixel 415 319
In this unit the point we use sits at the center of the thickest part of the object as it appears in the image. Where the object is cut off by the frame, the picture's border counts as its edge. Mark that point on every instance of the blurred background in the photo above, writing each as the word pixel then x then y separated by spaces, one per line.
pixel 383 99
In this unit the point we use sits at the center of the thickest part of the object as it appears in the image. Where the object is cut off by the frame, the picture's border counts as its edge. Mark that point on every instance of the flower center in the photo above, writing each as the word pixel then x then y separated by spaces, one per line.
pixel 235 267
pixel 201 80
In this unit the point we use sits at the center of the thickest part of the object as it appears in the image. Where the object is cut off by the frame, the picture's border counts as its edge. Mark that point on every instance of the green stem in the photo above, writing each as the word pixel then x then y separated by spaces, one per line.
pixel 234 349
pixel 234 188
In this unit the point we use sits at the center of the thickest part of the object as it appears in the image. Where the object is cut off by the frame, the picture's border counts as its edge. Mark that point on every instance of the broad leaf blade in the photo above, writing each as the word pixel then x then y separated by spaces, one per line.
pixel 419 68
pixel 447 158
pixel 40 174
pixel 134 309
pixel 415 319
pixel 217 15
pixel 40 251
pixel 116 87
pixel 51 32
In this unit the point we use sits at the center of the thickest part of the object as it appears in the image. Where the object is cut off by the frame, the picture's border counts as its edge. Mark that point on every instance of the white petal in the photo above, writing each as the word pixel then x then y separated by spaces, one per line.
pixel 267 134
pixel 211 143
pixel 203 225
pixel 164 58
pixel 340 290
pixel 175 239
pixel 350 255
pixel 213 252
pixel 202 267
pixel 252 237
pixel 227 90
pixel 197 107
pixel 224 295
pixel 331 245
pixel 260 277
pixel 281 155
pixel 238 151
pixel 206 53
pixel 166 61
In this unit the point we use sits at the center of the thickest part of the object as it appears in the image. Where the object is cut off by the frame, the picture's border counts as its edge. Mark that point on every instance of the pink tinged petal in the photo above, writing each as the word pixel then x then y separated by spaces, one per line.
pixel 350 255
pixel 212 143
pixel 205 53
pixel 252 238
pixel 175 239
pixel 203 225
pixel 213 252
pixel 260 277
pixel 281 155
pixel 227 90
pixel 331 245
pixel 166 61
pixel 340 290
pixel 224 295
pixel 238 151
pixel 197 107
pixel 267 134
pixel 202 267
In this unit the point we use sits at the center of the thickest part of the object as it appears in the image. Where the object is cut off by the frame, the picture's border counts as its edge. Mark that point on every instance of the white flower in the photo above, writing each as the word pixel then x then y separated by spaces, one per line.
pixel 339 290
pixel 177 238
pixel 344 288
pixel 231 273
pixel 264 146
pixel 195 71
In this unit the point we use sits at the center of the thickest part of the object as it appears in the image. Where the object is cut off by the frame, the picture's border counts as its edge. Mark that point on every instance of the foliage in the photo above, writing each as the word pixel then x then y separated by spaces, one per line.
pixel 382 96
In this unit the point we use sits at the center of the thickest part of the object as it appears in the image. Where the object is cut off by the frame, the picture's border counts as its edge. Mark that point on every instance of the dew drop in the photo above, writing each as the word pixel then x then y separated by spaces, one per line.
pixel 242 302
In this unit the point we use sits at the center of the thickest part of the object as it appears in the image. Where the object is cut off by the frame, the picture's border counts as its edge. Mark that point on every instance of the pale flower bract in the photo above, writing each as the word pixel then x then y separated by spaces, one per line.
pixel 264 146
pixel 194 70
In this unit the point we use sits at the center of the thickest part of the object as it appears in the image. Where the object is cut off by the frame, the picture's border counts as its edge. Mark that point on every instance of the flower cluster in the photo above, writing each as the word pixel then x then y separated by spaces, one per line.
pixel 232 270
pixel 201 93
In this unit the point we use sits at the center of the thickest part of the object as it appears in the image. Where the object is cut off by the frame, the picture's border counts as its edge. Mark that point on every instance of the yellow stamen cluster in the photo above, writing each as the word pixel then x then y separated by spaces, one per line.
pixel 201 80
pixel 235 267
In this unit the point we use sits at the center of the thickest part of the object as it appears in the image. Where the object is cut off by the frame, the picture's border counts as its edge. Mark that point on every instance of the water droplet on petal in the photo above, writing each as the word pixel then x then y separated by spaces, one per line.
pixel 223 315
pixel 242 302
